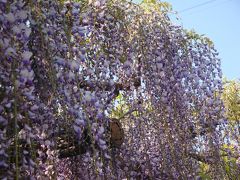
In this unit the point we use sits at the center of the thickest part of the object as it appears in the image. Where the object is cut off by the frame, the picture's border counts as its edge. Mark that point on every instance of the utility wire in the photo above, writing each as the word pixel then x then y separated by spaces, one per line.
pixel 210 7
pixel 193 7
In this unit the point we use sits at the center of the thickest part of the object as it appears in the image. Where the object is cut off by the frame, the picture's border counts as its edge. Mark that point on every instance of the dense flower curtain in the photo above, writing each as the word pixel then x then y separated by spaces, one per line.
pixel 65 65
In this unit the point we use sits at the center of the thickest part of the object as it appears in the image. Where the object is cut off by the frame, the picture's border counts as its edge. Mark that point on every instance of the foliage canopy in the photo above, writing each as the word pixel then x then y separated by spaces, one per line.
pixel 63 66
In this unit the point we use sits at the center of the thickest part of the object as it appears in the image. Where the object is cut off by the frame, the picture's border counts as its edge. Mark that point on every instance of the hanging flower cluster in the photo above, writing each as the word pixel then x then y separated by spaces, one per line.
pixel 65 65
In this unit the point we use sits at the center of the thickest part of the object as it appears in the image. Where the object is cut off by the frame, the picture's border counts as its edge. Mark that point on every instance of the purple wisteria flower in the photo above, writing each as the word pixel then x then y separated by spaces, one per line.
pixel 68 69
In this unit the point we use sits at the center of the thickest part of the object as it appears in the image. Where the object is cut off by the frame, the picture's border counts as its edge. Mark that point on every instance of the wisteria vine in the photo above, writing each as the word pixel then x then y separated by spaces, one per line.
pixel 65 65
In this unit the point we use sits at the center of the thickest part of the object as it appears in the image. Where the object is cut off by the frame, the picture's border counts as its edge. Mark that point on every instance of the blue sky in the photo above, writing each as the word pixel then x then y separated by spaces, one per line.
pixel 220 21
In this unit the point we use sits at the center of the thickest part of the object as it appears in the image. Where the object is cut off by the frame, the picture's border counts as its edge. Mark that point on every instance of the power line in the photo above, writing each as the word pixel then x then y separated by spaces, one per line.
pixel 210 7
pixel 198 5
